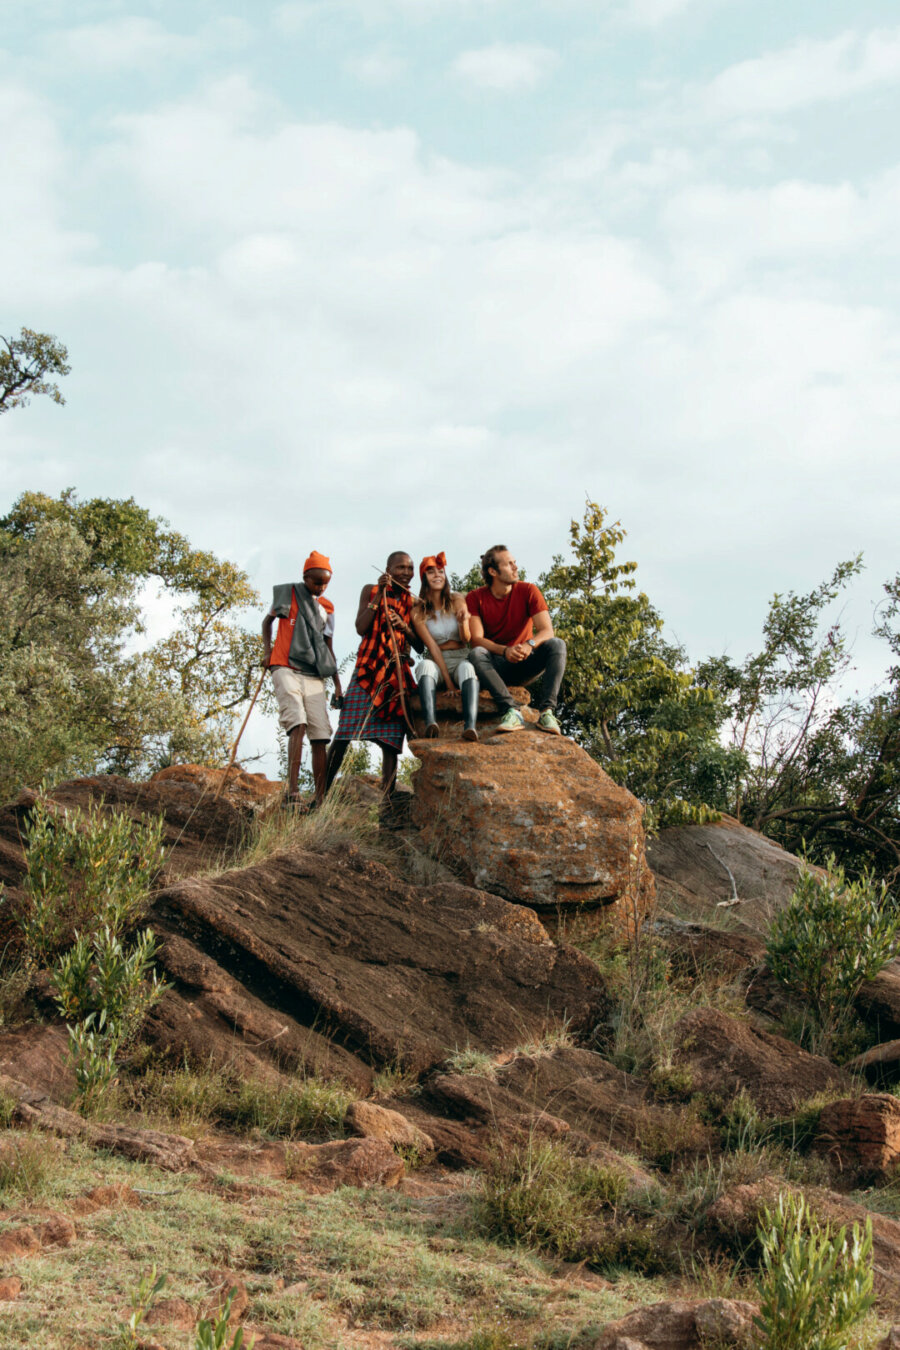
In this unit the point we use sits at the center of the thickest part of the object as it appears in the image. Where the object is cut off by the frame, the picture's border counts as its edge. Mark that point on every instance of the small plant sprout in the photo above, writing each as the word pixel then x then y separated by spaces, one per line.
pixel 213 1334
pixel 142 1301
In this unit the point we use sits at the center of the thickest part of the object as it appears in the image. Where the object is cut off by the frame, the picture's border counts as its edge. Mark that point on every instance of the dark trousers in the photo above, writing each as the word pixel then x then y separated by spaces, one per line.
pixel 495 672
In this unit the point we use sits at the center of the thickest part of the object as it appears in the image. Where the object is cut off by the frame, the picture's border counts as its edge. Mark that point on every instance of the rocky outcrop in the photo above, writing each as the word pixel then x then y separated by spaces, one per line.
pixel 879 1002
pixel 338 949
pixel 683 1324
pixel 725 1056
pixel 569 1094
pixel 860 1139
pixel 698 951
pixel 533 818
pixel 371 1121
pixel 880 1065
pixel 700 867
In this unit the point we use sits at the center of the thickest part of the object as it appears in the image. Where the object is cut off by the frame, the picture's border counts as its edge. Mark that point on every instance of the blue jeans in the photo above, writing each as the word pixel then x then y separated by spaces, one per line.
pixel 494 671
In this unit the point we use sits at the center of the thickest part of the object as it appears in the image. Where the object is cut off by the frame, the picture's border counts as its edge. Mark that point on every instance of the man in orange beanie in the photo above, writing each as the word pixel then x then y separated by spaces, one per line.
pixel 301 660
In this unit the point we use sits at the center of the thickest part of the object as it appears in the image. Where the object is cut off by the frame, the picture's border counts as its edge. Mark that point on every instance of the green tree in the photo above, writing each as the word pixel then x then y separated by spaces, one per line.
pixel 76 693
pixel 25 366
pixel 628 695
pixel 826 779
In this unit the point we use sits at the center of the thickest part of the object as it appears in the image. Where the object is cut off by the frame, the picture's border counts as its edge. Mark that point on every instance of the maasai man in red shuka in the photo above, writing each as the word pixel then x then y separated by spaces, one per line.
pixel 382 679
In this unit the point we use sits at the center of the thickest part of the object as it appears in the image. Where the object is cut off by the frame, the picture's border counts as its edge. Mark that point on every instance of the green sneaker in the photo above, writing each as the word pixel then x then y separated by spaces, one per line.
pixel 547 722
pixel 512 720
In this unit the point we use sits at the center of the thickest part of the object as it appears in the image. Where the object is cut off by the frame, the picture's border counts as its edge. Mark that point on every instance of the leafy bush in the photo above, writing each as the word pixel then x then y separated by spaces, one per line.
pixel 834 935
pixel 813 1285
pixel 100 975
pixel 85 870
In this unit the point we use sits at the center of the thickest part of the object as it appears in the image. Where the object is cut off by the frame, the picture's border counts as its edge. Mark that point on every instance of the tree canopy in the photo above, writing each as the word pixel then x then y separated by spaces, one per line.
pixel 78 691
pixel 26 367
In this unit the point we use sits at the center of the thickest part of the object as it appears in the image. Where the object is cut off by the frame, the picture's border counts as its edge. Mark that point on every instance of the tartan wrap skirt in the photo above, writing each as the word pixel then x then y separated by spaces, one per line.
pixel 353 725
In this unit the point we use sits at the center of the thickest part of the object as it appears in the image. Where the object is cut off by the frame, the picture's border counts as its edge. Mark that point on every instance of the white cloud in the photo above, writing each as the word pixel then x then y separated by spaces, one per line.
pixel 377 68
pixel 810 71
pixel 118 44
pixel 316 302
pixel 505 68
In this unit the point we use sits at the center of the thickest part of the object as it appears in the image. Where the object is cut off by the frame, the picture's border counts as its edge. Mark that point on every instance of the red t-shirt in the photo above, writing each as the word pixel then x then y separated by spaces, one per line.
pixel 507 621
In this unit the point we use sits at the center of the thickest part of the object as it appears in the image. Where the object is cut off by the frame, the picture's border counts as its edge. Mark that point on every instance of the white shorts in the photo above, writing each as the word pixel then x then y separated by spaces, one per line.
pixel 301 701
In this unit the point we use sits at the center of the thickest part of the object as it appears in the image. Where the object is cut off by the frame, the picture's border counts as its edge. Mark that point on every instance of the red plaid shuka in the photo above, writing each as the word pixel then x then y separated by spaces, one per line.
pixel 376 669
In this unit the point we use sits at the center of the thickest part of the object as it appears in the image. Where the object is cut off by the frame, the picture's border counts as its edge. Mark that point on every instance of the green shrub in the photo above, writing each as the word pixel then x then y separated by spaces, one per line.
pixel 84 871
pixel 100 975
pixel 813 1285
pixel 834 935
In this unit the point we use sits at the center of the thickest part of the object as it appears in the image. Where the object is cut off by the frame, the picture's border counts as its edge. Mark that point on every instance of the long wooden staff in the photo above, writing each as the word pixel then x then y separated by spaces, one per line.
pixel 398 663
pixel 240 734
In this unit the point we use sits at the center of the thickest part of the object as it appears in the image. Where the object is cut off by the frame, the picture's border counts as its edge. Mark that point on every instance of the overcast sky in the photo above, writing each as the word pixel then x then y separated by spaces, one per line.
pixel 358 275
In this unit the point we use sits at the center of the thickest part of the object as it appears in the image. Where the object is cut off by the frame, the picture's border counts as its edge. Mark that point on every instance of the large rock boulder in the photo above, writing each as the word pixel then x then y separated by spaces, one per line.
pixel 725 1056
pixel 683 1324
pixel 860 1139
pixel 700 867
pixel 390 973
pixel 533 818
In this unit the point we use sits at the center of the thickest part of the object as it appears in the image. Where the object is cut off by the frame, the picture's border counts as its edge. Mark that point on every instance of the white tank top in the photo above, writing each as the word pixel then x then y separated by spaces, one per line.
pixel 443 627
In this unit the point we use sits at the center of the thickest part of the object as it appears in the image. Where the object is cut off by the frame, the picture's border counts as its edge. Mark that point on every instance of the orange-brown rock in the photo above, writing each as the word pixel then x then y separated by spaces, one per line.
pixel 860 1138
pixel 172 1312
pixel 533 818
pixel 395 972
pixel 236 785
pixel 370 1121
pixel 682 1324
pixel 344 1162
pixel 878 1001
pixel 726 1056
pixel 879 1065
pixel 226 1284
pixel 570 1094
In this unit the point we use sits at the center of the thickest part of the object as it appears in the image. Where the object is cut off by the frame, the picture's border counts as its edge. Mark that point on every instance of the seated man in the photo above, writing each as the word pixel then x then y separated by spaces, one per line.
pixel 301 659
pixel 512 640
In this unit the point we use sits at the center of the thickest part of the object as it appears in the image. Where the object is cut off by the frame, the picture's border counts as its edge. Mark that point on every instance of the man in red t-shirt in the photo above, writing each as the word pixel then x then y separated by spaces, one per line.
pixel 512 640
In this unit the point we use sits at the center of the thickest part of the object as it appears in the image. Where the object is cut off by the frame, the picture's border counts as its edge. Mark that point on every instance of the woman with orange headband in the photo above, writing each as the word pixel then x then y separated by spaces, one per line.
pixel 440 618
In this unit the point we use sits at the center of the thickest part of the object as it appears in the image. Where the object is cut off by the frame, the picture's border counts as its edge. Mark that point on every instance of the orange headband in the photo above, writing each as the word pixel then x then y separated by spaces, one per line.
pixel 316 560
pixel 436 560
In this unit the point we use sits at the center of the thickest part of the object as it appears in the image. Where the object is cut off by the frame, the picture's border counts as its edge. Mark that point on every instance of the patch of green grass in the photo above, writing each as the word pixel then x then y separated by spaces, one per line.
pixel 540 1194
pixel 27 1164
pixel 470 1060
pixel 305 1107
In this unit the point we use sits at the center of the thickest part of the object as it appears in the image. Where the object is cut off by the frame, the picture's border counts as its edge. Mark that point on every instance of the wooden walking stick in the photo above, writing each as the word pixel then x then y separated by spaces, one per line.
pixel 240 733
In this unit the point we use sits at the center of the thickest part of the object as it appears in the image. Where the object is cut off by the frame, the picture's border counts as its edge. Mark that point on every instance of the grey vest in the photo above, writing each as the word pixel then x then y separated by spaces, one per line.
pixel 307 643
